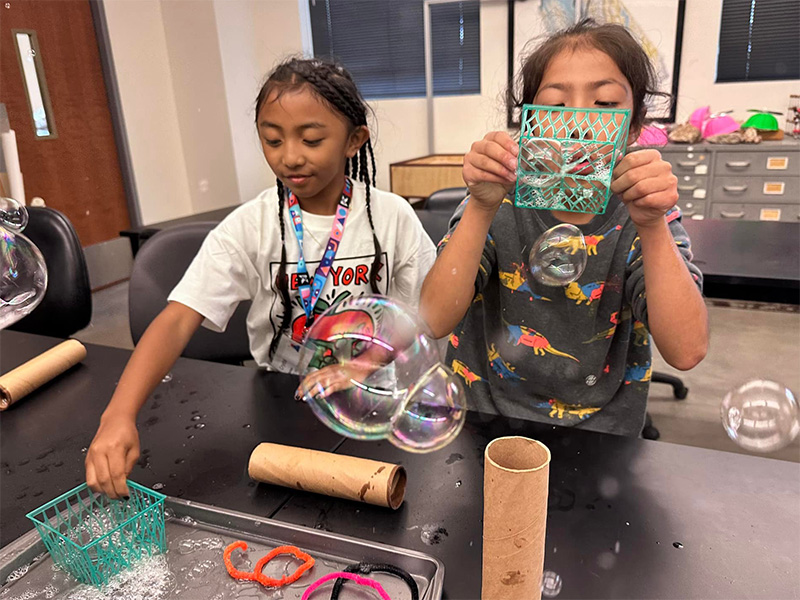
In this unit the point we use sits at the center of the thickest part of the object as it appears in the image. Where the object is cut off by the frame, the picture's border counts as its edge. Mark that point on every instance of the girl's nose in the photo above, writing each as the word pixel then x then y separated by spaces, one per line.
pixel 293 156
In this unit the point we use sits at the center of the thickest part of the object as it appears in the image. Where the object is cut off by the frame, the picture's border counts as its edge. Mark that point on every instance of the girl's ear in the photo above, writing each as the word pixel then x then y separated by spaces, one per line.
pixel 358 138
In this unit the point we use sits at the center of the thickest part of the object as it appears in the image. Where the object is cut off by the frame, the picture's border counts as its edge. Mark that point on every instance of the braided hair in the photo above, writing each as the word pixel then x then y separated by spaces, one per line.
pixel 334 86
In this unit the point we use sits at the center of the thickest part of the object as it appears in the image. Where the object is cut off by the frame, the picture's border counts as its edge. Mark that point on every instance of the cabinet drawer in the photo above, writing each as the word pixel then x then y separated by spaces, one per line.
pixel 756 212
pixel 781 189
pixel 693 187
pixel 777 163
pixel 688 162
pixel 691 208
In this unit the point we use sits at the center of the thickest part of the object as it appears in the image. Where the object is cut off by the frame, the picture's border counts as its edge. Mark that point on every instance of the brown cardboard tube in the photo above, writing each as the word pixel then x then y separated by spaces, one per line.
pixel 370 481
pixel 515 485
pixel 27 377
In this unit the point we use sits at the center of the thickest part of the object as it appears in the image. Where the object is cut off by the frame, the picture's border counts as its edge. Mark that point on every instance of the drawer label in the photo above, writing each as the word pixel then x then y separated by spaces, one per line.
pixel 699 194
pixel 701 170
pixel 777 163
pixel 774 188
pixel 770 214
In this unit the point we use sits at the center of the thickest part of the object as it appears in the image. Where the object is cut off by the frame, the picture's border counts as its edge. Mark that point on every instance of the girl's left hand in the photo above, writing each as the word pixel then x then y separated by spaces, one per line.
pixel 647 186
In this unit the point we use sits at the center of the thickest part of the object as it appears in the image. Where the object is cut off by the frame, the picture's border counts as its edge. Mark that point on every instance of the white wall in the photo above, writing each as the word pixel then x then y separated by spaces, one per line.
pixel 699 67
pixel 253 36
pixel 199 87
pixel 141 62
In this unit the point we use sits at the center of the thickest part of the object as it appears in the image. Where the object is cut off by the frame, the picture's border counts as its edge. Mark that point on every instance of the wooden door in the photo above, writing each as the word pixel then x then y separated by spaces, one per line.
pixel 76 171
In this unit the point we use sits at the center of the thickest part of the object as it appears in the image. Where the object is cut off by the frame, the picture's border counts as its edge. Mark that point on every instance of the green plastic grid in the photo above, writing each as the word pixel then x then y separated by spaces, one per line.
pixel 567 155
pixel 94 538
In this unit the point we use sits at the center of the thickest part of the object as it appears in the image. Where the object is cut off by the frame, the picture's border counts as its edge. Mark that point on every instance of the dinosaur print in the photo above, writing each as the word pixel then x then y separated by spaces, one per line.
pixel 593 240
pixel 558 409
pixel 459 368
pixel 632 251
pixel 638 373
pixel 516 282
pixel 641 336
pixel 519 335
pixel 588 292
pixel 453 340
pixel 501 368
pixel 607 334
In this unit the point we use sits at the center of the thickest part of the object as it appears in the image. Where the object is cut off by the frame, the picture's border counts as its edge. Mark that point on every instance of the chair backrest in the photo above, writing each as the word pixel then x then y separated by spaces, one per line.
pixel 158 267
pixel 437 210
pixel 67 303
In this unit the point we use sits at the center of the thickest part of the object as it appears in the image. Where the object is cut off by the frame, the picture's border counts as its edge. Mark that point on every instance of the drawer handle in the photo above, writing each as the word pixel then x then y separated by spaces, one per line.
pixel 734 188
pixel 689 213
pixel 688 163
pixel 738 164
pixel 687 188
pixel 732 215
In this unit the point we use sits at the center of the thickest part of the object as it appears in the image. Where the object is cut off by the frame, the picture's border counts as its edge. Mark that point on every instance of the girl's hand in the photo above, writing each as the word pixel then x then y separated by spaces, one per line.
pixel 334 378
pixel 647 186
pixel 111 456
pixel 490 169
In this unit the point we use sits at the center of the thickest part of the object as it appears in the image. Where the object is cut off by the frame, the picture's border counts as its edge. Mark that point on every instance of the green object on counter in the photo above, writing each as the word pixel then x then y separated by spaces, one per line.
pixel 762 121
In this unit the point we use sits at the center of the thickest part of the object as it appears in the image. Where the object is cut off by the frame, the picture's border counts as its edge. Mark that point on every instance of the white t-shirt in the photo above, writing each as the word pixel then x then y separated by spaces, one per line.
pixel 240 259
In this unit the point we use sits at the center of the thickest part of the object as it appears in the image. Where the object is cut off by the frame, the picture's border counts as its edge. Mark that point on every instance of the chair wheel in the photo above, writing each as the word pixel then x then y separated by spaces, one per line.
pixel 682 393
pixel 650 433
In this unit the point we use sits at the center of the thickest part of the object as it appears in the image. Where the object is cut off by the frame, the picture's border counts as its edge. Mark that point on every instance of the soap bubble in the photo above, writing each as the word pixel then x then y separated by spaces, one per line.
pixel 13 215
pixel 559 256
pixel 761 415
pixel 551 584
pixel 369 369
pixel 23 273
pixel 433 415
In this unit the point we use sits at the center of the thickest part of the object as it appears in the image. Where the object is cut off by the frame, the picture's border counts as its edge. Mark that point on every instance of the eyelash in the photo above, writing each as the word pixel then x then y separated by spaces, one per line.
pixel 598 102
pixel 276 143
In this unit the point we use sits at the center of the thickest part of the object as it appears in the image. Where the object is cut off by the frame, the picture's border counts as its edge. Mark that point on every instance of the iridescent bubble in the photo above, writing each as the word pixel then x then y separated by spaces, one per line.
pixel 551 584
pixel 23 272
pixel 559 256
pixel 369 369
pixel 433 414
pixel 761 415
pixel 13 215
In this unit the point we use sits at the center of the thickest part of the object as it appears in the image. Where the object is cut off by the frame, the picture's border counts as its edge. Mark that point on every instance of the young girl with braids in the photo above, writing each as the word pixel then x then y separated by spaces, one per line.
pixel 322 234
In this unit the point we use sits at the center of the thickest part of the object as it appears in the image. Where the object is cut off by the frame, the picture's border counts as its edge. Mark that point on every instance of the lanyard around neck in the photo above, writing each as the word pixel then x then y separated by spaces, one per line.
pixel 311 289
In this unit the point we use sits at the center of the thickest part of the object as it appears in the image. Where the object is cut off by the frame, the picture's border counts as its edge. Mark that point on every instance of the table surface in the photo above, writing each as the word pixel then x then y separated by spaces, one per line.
pixel 616 506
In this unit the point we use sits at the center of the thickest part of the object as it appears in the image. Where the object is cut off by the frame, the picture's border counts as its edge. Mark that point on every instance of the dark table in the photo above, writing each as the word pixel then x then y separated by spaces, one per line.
pixel 747 259
pixel 617 506
pixel 138 235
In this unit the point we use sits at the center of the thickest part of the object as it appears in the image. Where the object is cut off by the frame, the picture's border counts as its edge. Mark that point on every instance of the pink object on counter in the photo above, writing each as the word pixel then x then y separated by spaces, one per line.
pixel 652 136
pixel 719 126
pixel 700 116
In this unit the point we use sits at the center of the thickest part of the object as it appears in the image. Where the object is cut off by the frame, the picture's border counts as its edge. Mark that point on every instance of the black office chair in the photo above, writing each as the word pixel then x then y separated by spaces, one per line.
pixel 159 265
pixel 438 208
pixel 67 303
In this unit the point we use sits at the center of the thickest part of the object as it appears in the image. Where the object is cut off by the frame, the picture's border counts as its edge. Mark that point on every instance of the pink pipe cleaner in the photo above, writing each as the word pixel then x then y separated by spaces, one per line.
pixel 352 577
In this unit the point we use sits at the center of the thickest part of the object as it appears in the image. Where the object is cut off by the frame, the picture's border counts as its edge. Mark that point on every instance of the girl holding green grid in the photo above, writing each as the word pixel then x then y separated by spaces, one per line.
pixel 577 355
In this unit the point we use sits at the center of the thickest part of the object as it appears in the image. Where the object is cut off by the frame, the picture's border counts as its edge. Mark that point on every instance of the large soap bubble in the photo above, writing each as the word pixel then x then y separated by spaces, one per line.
pixel 761 415
pixel 559 256
pixel 371 373
pixel 23 274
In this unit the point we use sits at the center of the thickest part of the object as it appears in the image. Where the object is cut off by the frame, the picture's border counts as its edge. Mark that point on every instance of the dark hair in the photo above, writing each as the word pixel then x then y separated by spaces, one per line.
pixel 334 86
pixel 616 41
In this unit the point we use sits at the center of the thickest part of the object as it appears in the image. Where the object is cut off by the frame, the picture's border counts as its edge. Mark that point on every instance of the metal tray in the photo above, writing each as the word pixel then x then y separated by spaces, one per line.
pixel 196 536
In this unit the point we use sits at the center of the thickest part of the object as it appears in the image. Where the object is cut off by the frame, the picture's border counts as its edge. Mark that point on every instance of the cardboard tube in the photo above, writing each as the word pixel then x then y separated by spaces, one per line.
pixel 370 481
pixel 20 382
pixel 515 485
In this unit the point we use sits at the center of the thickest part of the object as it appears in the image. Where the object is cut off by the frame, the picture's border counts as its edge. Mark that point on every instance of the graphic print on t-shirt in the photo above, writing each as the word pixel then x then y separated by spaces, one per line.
pixel 349 276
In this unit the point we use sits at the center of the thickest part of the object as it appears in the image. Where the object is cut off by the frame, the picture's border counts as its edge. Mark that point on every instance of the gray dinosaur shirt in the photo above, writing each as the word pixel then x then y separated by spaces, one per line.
pixel 577 355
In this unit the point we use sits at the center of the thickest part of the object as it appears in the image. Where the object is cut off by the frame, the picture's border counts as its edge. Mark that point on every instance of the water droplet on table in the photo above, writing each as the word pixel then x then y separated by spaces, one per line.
pixel 551 584
pixel 677 544
pixel 167 378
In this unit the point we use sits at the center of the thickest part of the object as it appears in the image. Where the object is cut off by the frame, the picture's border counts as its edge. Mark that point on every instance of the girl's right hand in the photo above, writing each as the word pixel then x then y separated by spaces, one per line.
pixel 490 169
pixel 111 456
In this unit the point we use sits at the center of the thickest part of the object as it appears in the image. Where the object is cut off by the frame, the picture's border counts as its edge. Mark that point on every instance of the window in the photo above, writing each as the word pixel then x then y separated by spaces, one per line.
pixel 381 42
pixel 759 40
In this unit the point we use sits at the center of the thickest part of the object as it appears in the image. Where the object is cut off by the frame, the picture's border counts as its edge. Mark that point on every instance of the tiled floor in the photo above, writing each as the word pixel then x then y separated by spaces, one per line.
pixel 747 342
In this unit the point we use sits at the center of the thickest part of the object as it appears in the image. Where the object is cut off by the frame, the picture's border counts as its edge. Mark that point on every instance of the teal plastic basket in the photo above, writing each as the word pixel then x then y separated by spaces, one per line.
pixel 567 155
pixel 94 538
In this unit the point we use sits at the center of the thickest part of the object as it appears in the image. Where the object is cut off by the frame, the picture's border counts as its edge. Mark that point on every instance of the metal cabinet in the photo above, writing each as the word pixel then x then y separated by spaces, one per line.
pixel 737 182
